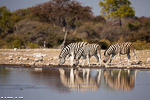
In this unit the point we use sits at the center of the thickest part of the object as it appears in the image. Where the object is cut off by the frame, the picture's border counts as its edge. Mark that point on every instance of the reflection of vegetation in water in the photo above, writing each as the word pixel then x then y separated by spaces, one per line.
pixel 4 72
pixel 48 77
pixel 120 79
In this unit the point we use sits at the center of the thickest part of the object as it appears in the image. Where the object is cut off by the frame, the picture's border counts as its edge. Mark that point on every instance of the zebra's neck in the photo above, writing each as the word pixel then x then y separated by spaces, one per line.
pixel 72 48
pixel 79 53
pixel 109 51
pixel 65 51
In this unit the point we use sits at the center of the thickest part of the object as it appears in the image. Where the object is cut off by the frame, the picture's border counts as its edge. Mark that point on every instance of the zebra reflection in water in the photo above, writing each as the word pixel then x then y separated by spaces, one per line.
pixel 120 79
pixel 83 79
pixel 80 79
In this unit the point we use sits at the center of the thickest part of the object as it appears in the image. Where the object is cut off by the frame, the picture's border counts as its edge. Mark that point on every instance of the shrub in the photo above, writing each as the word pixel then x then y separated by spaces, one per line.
pixel 6 21
pixel 45 22
pixel 111 33
pixel 104 43
pixel 140 45
pixel 133 27
pixel 16 44
pixel 32 45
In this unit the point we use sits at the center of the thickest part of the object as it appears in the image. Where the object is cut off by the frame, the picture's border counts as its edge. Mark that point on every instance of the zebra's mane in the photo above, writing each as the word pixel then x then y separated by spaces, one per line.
pixel 107 50
pixel 65 51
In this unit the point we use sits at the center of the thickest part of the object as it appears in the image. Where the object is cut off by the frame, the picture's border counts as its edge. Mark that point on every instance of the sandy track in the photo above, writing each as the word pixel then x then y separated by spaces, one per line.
pixel 38 57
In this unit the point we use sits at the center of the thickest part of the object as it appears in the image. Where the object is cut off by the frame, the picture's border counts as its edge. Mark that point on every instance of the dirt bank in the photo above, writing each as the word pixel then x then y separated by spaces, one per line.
pixel 49 57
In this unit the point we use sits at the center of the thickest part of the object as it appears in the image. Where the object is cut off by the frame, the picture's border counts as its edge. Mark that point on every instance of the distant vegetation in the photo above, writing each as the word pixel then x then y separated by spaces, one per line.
pixel 112 9
pixel 45 23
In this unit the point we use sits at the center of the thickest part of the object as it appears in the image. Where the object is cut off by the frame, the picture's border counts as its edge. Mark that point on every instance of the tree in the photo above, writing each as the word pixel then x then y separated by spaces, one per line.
pixel 6 22
pixel 58 11
pixel 116 9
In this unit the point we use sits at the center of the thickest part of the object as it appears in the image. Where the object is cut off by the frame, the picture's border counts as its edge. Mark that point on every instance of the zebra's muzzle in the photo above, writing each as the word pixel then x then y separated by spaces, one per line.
pixel 104 61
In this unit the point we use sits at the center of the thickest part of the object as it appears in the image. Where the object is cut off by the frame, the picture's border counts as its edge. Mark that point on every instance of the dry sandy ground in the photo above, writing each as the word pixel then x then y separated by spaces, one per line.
pixel 48 57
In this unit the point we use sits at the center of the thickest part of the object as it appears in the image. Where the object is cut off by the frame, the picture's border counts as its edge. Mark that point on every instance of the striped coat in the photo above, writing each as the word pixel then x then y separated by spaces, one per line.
pixel 87 51
pixel 120 49
pixel 70 50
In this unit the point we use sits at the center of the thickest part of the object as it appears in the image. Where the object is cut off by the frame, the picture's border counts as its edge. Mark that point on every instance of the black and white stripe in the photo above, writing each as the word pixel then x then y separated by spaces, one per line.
pixel 70 50
pixel 120 49
pixel 87 51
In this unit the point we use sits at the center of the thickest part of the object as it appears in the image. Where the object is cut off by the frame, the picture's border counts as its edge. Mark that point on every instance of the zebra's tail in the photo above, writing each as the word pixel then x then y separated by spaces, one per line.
pixel 99 54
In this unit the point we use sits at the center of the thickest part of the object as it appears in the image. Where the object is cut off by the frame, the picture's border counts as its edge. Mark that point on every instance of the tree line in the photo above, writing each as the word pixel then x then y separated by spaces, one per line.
pixel 44 24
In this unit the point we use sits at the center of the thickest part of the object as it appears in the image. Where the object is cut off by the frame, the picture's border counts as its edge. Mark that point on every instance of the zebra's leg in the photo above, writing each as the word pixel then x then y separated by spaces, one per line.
pixel 112 57
pixel 128 54
pixel 120 58
pixel 71 59
pixel 135 57
pixel 83 63
pixel 97 58
pixel 88 58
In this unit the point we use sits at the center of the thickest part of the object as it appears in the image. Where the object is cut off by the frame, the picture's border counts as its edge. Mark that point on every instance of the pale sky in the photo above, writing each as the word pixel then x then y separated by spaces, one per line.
pixel 141 7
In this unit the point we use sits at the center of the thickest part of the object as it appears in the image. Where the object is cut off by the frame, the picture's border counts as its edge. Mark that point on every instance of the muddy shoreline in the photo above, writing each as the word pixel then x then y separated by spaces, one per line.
pixel 49 58
pixel 66 66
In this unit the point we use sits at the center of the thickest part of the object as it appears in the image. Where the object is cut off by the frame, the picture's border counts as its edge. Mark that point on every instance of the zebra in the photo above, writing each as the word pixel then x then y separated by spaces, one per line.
pixel 71 50
pixel 86 52
pixel 120 49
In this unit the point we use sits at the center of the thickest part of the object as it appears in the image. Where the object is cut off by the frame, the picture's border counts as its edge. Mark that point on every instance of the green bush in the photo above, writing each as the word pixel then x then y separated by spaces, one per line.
pixel 43 23
pixel 140 45
pixel 32 45
pixel 134 26
pixel 6 21
pixel 104 43
pixel 16 44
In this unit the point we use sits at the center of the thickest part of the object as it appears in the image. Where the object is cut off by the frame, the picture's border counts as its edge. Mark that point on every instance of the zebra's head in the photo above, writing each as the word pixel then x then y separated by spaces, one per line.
pixel 75 62
pixel 61 60
pixel 106 57
pixel 77 57
pixel 62 56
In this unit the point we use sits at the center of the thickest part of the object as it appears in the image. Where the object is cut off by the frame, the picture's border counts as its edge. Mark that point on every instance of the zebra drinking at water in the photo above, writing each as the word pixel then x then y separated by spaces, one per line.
pixel 120 49
pixel 70 50
pixel 87 51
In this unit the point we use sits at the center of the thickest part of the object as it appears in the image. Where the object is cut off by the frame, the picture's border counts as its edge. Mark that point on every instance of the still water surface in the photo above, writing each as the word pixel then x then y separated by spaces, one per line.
pixel 74 84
